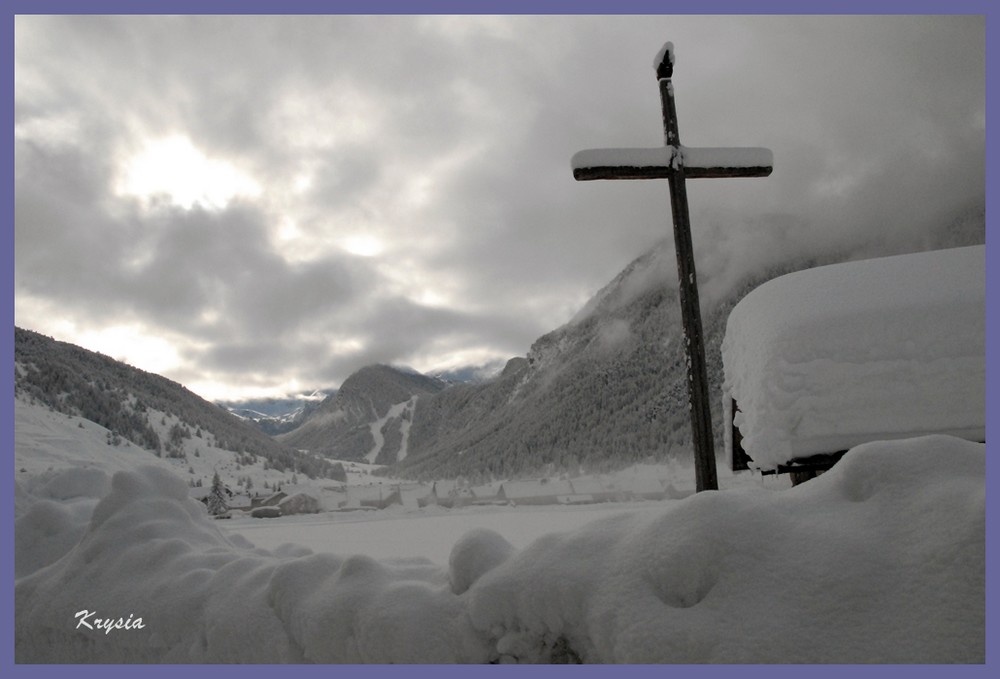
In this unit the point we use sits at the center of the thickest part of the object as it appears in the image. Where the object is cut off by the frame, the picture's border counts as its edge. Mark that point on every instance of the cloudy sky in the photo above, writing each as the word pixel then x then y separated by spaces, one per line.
pixel 261 205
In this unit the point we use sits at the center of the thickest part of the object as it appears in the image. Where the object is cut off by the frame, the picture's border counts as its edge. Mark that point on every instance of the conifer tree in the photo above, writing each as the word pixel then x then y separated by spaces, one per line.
pixel 216 500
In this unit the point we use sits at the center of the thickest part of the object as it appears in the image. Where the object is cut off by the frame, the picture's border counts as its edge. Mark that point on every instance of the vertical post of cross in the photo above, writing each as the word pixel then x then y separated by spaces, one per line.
pixel 706 477
pixel 677 164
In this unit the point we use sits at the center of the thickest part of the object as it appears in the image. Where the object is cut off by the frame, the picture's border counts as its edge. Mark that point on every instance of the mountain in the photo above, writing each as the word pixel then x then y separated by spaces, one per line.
pixel 609 388
pixel 605 390
pixel 144 409
pixel 472 374
pixel 276 416
pixel 368 418
pixel 281 416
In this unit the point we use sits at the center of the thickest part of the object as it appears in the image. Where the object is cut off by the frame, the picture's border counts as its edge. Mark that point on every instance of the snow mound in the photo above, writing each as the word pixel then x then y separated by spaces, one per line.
pixel 882 559
pixel 827 358
pixel 55 505
pixel 151 552
pixel 476 553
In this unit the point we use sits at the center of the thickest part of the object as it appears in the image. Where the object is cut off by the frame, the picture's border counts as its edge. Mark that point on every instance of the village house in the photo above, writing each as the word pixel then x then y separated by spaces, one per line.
pixel 299 503
pixel 448 493
pixel 540 492
pixel 411 494
pixel 593 489
pixel 271 500
pixel 486 494
pixel 376 496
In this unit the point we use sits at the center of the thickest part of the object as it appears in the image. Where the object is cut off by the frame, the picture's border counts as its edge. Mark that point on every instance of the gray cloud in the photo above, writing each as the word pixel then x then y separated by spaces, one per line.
pixel 439 148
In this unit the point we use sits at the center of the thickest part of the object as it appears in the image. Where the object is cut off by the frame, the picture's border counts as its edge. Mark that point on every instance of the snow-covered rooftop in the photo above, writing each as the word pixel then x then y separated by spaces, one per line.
pixel 823 359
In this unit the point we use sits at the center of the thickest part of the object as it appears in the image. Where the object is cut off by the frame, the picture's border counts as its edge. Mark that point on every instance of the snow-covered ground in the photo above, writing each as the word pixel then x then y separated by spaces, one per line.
pixel 429 533
pixel 881 559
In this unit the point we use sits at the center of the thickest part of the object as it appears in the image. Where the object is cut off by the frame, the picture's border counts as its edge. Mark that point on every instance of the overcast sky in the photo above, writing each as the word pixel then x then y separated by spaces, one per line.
pixel 262 205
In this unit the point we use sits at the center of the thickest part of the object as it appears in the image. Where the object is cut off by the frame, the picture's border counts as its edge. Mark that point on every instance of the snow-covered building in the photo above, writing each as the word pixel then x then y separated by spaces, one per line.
pixel 594 489
pixel 373 497
pixel 271 500
pixel 486 494
pixel 821 360
pixel 299 503
pixel 411 494
pixel 541 492
pixel 333 499
pixel 448 493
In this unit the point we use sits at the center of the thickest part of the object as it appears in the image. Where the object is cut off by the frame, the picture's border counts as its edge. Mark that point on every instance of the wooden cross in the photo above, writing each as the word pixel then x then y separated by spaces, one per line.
pixel 676 163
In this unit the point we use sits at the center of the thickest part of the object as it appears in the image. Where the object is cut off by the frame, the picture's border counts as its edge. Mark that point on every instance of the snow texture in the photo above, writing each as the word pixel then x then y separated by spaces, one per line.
pixel 663 156
pixel 402 410
pixel 693 158
pixel 666 52
pixel 824 359
pixel 882 559
pixel 707 157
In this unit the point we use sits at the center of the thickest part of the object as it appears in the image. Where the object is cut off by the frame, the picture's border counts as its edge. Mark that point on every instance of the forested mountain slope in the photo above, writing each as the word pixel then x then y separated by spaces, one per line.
pixel 75 381
pixel 608 388
pixel 342 425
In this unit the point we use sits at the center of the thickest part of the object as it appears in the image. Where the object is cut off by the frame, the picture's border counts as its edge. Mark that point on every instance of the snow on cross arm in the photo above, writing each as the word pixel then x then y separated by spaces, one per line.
pixel 737 161
pixel 660 157
pixel 662 162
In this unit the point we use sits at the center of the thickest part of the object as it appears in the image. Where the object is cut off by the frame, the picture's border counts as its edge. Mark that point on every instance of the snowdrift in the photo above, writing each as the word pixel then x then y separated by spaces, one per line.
pixel 827 358
pixel 882 559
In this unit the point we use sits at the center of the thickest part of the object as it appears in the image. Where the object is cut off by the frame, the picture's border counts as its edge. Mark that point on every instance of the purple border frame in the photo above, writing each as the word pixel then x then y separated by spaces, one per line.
pixel 13 7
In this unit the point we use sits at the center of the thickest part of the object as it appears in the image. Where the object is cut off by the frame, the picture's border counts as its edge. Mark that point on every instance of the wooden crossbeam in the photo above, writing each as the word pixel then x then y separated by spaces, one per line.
pixel 665 161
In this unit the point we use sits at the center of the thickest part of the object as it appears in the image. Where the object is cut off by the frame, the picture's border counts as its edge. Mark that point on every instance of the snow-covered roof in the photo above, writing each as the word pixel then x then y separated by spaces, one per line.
pixel 372 492
pixel 452 488
pixel 589 485
pixel 823 359
pixel 417 490
pixel 486 490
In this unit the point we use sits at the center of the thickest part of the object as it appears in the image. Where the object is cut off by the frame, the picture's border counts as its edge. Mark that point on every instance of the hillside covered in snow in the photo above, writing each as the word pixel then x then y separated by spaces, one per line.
pixel 152 415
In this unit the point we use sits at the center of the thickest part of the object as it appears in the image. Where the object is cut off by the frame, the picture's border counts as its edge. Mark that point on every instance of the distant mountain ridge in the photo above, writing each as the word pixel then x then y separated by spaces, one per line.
pixel 276 416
